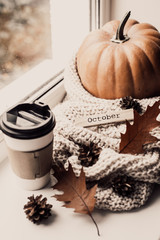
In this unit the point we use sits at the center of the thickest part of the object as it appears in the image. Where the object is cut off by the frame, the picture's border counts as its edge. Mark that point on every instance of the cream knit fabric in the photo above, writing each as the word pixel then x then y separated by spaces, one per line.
pixel 143 168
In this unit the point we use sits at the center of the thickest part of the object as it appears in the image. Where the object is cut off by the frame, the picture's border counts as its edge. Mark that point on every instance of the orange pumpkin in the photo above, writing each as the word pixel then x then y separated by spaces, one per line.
pixel 121 59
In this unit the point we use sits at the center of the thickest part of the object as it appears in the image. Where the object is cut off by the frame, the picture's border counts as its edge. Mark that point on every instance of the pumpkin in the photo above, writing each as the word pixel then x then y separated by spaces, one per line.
pixel 121 59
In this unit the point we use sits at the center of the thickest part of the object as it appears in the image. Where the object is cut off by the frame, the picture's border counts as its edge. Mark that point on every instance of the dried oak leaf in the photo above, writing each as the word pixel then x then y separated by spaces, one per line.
pixel 75 193
pixel 138 134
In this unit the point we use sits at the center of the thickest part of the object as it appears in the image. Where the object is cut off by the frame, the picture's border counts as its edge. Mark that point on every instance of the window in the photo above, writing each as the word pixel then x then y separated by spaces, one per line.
pixel 67 24
pixel 25 36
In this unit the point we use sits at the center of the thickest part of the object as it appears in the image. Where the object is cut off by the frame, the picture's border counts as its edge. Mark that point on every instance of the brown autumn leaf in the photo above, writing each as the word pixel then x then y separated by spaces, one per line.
pixel 75 193
pixel 138 134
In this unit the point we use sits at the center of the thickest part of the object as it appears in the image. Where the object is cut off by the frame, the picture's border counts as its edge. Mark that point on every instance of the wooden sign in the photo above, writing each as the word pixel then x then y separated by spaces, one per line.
pixel 108 117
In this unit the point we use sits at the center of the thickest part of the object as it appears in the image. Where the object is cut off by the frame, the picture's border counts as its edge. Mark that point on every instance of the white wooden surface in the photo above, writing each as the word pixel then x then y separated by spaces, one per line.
pixel 142 224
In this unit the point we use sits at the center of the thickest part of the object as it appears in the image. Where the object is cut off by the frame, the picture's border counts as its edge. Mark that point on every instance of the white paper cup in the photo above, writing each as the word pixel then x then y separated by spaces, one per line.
pixel 28 133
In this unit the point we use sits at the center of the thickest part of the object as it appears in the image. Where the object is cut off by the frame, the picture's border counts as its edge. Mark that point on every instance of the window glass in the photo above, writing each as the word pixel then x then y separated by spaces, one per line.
pixel 25 36
pixel 33 30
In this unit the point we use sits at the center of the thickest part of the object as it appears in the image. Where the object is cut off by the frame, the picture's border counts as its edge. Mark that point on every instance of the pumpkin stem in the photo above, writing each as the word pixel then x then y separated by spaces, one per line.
pixel 120 37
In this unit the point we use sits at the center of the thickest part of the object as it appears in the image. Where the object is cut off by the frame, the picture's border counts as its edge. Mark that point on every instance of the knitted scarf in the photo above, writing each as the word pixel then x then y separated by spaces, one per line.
pixel 142 170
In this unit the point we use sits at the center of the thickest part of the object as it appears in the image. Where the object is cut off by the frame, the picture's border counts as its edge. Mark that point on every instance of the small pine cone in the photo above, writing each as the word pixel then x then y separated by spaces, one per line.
pixel 37 209
pixel 89 154
pixel 129 102
pixel 123 185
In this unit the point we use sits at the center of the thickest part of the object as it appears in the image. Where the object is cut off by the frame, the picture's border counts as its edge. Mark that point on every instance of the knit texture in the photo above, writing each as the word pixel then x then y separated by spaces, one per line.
pixel 143 168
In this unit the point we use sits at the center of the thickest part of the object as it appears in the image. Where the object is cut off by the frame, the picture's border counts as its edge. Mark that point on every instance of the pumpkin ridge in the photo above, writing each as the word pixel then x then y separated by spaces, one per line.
pixel 143 66
pixel 130 68
pixel 98 82
pixel 113 72
pixel 136 28
pixel 97 72
pixel 92 45
pixel 141 49
pixel 148 32
pixel 147 36
pixel 123 70
pixel 153 42
pixel 103 48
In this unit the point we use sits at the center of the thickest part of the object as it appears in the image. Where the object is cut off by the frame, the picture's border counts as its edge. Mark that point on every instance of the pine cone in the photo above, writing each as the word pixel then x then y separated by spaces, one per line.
pixel 89 154
pixel 123 185
pixel 37 209
pixel 129 102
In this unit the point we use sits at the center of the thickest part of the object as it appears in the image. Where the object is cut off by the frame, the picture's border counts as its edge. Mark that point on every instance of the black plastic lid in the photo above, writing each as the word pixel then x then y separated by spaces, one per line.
pixel 28 121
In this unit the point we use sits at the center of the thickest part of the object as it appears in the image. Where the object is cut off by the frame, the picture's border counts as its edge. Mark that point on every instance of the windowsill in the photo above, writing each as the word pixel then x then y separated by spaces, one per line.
pixel 29 83
pixel 138 224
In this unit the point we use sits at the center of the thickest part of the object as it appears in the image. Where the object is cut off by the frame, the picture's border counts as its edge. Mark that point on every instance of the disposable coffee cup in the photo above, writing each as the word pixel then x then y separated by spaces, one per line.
pixel 28 133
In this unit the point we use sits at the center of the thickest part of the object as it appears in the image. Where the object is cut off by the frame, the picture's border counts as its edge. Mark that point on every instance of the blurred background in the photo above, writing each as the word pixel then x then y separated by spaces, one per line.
pixel 25 36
